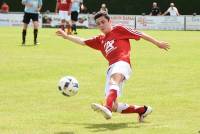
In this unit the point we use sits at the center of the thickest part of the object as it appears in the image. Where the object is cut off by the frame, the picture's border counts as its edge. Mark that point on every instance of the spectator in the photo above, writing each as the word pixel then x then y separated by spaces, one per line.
pixel 104 8
pixel 172 10
pixel 4 8
pixel 155 10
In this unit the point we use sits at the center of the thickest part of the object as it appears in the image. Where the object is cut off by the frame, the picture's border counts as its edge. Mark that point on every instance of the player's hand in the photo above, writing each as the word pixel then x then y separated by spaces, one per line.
pixel 61 33
pixel 163 45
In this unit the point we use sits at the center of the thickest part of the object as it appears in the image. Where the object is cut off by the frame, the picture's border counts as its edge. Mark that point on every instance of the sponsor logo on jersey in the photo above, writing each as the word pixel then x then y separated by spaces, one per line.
pixel 108 46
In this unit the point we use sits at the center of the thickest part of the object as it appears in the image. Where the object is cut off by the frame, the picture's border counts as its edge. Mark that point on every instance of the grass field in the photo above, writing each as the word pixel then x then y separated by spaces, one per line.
pixel 30 102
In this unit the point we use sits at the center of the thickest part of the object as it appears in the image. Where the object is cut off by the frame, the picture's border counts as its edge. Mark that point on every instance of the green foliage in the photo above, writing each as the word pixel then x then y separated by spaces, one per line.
pixel 135 7
pixel 30 102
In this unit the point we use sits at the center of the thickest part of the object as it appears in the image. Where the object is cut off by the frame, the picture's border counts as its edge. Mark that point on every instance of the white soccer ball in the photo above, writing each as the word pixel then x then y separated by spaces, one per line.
pixel 68 85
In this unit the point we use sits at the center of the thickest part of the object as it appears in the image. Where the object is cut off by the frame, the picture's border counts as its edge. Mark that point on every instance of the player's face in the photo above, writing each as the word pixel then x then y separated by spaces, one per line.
pixel 104 25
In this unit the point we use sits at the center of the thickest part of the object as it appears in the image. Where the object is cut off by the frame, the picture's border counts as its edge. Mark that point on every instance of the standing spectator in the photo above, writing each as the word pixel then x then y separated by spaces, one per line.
pixel 172 10
pixel 4 8
pixel 77 5
pixel 31 12
pixel 64 8
pixel 104 8
pixel 155 10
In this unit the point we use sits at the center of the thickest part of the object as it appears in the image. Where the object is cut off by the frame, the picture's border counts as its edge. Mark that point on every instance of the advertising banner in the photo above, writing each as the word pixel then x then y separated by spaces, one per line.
pixel 160 22
pixel 53 20
pixel 14 19
pixel 192 22
pixel 126 20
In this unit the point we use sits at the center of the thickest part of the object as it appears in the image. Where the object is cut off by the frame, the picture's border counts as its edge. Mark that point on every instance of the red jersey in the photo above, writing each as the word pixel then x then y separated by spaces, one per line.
pixel 64 5
pixel 115 45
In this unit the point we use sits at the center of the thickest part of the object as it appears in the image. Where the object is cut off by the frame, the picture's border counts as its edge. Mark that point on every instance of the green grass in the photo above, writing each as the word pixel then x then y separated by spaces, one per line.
pixel 31 104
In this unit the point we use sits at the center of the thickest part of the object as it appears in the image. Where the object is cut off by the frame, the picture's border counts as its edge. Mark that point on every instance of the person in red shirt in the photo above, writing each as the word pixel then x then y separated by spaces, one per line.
pixel 4 8
pixel 64 8
pixel 115 46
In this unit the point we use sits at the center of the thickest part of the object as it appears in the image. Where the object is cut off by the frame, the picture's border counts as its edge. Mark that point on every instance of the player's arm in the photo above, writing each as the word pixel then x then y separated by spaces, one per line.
pixel 72 38
pixel 160 44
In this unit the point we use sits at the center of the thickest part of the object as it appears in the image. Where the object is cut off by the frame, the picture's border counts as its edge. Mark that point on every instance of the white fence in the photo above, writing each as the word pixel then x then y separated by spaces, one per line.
pixel 139 22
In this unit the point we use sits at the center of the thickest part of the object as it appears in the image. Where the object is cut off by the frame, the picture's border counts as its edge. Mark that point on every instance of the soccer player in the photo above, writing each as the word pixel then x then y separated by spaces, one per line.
pixel 115 46
pixel 64 8
pixel 31 12
pixel 75 9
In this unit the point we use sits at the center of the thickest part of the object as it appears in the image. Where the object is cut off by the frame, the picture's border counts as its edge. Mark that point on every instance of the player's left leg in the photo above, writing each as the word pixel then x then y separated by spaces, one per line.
pixel 124 108
pixel 74 19
pixel 35 32
pixel 111 96
pixel 35 18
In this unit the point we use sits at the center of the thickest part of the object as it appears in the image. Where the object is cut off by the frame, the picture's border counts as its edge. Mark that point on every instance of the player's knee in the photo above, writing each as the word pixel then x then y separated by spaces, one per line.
pixel 114 81
pixel 117 78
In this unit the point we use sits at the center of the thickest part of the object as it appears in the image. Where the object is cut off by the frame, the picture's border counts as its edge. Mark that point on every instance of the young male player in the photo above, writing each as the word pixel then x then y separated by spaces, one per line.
pixel 31 12
pixel 115 46
pixel 64 8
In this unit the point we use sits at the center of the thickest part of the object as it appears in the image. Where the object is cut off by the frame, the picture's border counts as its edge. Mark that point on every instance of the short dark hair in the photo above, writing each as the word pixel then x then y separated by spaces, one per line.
pixel 100 14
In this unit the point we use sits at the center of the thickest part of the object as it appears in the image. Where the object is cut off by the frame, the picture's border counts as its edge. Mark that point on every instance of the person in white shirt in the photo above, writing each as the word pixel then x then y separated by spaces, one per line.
pixel 172 10
pixel 104 8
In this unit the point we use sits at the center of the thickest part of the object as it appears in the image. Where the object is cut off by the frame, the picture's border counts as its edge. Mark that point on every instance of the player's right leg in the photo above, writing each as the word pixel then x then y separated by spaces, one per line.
pixel 111 96
pixel 24 33
pixel 62 16
pixel 26 21
pixel 62 25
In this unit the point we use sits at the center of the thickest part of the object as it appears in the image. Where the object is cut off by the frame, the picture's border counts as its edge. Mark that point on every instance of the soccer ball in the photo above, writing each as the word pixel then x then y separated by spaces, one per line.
pixel 68 86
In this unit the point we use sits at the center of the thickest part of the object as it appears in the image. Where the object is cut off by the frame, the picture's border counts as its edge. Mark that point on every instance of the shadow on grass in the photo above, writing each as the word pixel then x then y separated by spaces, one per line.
pixel 99 127
pixel 108 126
pixel 27 45
pixel 64 133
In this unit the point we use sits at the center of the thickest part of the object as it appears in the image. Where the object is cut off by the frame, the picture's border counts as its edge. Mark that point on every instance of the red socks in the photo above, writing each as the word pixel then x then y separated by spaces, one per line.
pixel 134 109
pixel 125 109
pixel 111 98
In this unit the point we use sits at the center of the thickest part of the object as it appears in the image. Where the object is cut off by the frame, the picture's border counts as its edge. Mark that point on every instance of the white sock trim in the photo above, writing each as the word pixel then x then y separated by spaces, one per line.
pixel 121 107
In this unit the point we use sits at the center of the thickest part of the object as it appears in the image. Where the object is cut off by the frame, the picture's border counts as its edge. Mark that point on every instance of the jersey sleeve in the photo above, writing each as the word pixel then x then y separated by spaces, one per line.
pixel 129 33
pixel 94 43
